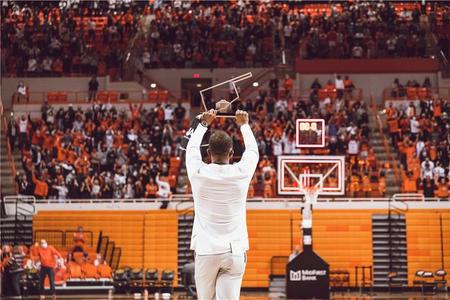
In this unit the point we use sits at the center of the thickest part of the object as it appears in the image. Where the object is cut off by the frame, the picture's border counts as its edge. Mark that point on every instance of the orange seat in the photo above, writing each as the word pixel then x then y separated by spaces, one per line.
pixel 74 270
pixel 152 96
pixel 104 271
pixel 89 270
pixel 62 97
pixel 102 96
pixel 113 96
pixel 163 95
pixel 52 96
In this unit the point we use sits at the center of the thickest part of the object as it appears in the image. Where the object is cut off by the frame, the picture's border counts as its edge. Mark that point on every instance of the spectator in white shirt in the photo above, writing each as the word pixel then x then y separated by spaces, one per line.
pixel 339 84
pixel 287 35
pixel 419 147
pixel 23 132
pixel 353 147
pixel 414 127
pixel 47 65
pixel 277 146
pixel 219 189
pixel 146 58
pixel 32 65
pixel 357 51
pixel 281 106
pixel 439 171
pixel 21 93
pixel 168 112
pixel 62 191
pixel 427 168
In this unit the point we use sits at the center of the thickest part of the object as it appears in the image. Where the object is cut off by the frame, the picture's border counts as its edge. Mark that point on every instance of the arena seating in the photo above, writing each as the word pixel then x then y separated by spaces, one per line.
pixel 149 239
pixel 418 134
pixel 141 138
pixel 106 33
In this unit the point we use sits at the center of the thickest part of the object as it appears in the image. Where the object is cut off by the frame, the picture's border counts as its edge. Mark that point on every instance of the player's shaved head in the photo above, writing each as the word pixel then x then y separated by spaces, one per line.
pixel 220 144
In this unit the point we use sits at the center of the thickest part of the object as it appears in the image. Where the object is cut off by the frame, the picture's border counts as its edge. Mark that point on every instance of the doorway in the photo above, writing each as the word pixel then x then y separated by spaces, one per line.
pixel 190 89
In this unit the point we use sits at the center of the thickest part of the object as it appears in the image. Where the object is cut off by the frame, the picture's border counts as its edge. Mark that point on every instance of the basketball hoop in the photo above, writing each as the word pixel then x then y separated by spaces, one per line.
pixel 311 193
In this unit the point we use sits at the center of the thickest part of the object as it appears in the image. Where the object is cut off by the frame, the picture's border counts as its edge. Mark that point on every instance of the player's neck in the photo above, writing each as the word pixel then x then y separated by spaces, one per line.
pixel 220 161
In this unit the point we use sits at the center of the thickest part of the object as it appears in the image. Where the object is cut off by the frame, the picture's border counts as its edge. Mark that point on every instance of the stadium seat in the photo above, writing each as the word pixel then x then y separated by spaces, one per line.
pixel 52 97
pixel 163 96
pixel 152 96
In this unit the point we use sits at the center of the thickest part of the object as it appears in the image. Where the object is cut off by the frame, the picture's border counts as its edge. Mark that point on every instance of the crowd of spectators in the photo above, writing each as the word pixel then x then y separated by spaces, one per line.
pixel 366 30
pixel 421 135
pixel 399 90
pixel 100 152
pixel 52 38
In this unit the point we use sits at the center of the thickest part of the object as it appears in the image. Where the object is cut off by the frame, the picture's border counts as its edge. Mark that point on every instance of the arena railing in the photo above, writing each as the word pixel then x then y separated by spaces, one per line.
pixel 83 96
pixel 180 199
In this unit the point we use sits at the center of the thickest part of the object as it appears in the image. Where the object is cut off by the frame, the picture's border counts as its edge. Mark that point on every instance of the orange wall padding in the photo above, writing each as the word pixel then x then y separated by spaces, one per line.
pixel 343 238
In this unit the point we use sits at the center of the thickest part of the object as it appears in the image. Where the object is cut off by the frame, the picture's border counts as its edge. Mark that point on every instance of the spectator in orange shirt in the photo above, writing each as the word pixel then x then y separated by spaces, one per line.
pixel 41 187
pixel 46 255
pixel 151 189
pixel 288 86
pixel 442 189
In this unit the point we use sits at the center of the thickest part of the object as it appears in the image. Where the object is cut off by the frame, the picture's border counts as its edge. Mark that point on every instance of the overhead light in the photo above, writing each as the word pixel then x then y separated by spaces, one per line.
pixel 255 84
pixel 153 85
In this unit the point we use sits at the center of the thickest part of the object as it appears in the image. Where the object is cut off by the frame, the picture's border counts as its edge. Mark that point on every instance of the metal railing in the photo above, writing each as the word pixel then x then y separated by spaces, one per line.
pixel 178 200
pixel 60 238
pixel 11 161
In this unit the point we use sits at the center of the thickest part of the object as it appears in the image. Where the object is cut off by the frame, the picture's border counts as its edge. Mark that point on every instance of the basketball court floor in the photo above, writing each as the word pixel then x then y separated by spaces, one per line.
pixel 262 296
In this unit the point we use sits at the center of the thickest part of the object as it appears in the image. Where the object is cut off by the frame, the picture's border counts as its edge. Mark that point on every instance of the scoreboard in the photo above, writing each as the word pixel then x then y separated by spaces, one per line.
pixel 310 133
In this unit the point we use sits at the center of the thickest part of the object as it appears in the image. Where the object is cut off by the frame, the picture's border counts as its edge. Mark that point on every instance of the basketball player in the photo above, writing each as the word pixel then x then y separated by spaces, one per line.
pixel 219 236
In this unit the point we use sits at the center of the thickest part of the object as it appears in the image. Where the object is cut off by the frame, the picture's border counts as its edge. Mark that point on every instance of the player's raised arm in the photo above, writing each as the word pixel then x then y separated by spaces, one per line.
pixel 193 154
pixel 250 156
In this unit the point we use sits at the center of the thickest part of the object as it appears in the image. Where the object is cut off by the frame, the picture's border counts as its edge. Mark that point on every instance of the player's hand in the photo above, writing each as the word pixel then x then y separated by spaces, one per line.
pixel 209 116
pixel 241 117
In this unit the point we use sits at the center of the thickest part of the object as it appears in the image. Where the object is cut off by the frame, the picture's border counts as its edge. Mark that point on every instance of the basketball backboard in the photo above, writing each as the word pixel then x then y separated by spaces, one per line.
pixel 310 133
pixel 295 173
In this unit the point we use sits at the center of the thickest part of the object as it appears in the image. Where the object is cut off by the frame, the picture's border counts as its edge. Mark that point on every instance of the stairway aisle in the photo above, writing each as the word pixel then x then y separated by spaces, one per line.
pixel 23 228
pixel 385 244
pixel 185 255
pixel 6 176
pixel 376 143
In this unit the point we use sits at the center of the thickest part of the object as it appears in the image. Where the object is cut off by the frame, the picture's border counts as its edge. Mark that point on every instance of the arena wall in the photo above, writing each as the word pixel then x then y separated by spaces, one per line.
pixel 39 85
pixel 343 237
